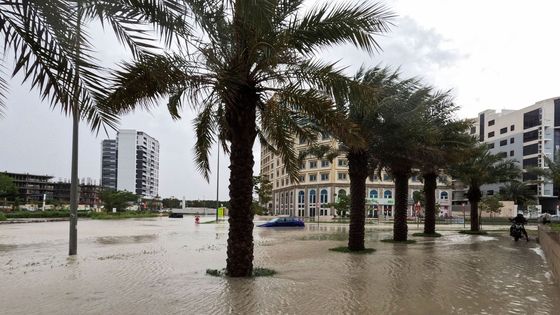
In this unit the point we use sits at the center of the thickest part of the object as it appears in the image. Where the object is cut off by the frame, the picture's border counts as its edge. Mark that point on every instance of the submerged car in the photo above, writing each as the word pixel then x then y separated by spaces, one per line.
pixel 283 222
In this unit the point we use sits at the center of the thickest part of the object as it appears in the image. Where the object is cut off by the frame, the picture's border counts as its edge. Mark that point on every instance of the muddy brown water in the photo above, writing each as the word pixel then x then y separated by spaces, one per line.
pixel 157 266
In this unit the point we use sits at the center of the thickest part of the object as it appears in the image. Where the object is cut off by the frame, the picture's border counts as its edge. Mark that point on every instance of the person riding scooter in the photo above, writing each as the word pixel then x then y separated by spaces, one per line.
pixel 519 219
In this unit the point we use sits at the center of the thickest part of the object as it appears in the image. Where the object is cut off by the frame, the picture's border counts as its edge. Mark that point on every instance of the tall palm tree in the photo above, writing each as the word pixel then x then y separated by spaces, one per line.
pixel 396 144
pixel 445 145
pixel 250 73
pixel 376 84
pixel 54 52
pixel 480 167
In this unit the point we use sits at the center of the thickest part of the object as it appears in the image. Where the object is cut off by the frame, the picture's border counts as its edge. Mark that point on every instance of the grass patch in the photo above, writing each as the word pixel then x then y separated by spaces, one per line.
pixel 2 217
pixel 553 227
pixel 344 249
pixel 257 272
pixel 427 234
pixel 44 214
pixel 390 240
pixel 468 232
pixel 122 215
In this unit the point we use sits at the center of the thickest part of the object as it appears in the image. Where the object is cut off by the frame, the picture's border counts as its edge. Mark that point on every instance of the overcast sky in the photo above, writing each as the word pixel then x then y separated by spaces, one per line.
pixel 492 54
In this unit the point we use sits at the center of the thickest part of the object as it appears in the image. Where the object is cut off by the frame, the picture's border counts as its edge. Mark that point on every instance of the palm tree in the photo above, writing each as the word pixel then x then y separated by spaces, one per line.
pixel 518 191
pixel 376 83
pixel 250 73
pixel 396 143
pixel 445 146
pixel 54 53
pixel 480 167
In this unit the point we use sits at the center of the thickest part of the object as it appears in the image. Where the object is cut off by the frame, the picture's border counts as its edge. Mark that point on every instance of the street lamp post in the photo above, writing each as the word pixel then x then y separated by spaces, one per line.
pixel 218 184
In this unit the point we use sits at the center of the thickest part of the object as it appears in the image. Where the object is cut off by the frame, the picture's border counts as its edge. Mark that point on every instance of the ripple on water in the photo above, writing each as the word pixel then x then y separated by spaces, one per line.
pixel 109 240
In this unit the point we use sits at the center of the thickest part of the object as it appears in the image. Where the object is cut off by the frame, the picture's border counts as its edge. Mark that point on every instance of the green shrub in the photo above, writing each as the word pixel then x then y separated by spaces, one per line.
pixel 2 217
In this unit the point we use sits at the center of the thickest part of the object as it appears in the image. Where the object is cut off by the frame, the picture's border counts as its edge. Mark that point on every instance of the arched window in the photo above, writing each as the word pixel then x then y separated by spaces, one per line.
pixel 373 193
pixel 387 194
pixel 324 196
pixel 301 197
pixel 444 195
pixel 341 193
pixel 312 197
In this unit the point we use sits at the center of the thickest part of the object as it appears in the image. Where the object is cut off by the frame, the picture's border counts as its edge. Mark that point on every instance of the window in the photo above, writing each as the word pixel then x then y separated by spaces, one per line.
pixel 387 177
pixel 442 179
pixel 312 197
pixel 491 122
pixel 530 136
pixel 491 146
pixel 302 179
pixel 503 142
pixel 341 193
pixel 503 130
pixel 511 153
pixel 325 163
pixel 342 176
pixel 302 166
pixel 532 119
pixel 312 177
pixel 502 154
pixel 511 140
pixel 312 164
pixel 387 194
pixel 342 162
pixel 531 149
pixel 530 162
pixel 301 197
pixel 512 128
pixel 490 134
pixel 490 192
pixel 324 176
pixel 444 195
pixel 473 130
pixel 324 196
pixel 373 193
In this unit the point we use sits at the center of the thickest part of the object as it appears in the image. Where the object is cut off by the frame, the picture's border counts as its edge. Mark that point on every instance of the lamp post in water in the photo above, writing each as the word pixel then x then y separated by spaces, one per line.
pixel 218 184
pixel 464 215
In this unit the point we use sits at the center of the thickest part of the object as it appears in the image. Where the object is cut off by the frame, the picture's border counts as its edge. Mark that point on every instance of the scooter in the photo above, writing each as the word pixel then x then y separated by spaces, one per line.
pixel 516 231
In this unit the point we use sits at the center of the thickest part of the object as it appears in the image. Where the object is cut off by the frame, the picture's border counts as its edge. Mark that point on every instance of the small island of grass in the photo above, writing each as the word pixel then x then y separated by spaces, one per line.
pixel 257 272
pixel 345 249
pixel 468 232
pixel 427 234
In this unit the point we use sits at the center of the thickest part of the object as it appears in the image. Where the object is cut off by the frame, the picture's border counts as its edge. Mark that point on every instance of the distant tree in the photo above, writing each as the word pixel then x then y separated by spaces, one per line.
pixel 418 196
pixel 491 204
pixel 117 199
pixel 8 190
pixel 169 203
pixel 342 205
pixel 263 189
pixel 518 192
pixel 480 167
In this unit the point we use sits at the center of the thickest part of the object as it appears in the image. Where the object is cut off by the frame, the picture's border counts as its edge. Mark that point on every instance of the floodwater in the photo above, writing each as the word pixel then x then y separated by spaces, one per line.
pixel 157 266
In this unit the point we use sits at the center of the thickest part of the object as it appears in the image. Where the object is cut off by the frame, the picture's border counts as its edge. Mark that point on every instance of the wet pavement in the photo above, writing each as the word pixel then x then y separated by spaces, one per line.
pixel 157 266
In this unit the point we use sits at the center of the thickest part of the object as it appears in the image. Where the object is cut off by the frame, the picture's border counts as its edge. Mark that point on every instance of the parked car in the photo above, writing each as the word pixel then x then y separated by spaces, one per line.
pixel 284 222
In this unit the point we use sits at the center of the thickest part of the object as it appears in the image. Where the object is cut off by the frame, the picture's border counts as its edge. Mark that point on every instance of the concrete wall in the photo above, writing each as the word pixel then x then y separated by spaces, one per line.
pixel 550 243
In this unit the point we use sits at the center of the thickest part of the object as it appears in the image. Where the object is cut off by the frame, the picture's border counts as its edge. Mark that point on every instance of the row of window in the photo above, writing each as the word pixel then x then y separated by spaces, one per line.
pixel 324 163
pixel 387 194
pixel 502 130
pixel 502 142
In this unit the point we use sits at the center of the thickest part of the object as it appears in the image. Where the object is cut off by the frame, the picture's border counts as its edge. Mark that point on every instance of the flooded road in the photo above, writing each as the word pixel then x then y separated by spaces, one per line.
pixel 157 266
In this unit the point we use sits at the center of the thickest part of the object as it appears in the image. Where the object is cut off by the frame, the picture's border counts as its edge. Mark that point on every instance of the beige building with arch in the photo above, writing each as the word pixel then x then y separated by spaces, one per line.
pixel 321 181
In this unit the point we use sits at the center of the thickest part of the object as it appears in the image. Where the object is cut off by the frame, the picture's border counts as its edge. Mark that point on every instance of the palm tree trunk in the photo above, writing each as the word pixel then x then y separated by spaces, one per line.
pixel 474 196
pixel 73 234
pixel 430 184
pixel 241 122
pixel 357 170
pixel 400 229
pixel 73 244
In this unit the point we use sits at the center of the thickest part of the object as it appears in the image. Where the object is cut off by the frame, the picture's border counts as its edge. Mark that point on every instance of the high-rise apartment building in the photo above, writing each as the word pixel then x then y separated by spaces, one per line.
pixel 322 181
pixel 109 163
pixel 131 163
pixel 526 135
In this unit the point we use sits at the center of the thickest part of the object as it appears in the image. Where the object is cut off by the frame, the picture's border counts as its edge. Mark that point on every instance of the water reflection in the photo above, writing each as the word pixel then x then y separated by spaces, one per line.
pixel 158 266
